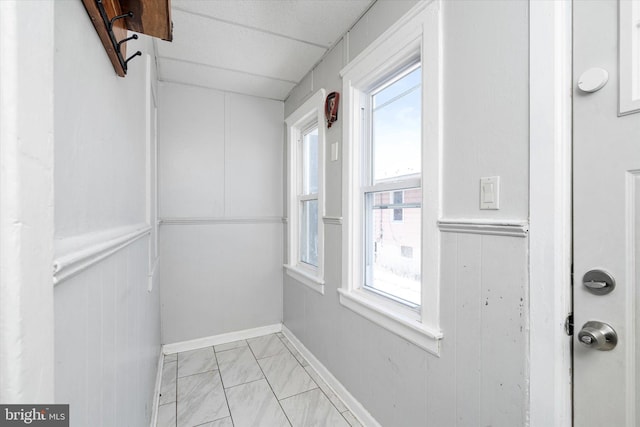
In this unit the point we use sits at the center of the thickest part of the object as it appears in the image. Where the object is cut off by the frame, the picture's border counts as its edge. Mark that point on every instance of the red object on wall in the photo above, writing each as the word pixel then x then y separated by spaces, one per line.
pixel 331 108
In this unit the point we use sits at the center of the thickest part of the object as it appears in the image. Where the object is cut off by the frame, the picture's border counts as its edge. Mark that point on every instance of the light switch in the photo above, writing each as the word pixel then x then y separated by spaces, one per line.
pixel 490 192
pixel 334 151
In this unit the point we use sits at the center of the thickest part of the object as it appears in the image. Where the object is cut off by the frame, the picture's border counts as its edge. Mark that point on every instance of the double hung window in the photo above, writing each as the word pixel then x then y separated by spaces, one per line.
pixel 392 169
pixel 305 145
pixel 391 179
pixel 308 196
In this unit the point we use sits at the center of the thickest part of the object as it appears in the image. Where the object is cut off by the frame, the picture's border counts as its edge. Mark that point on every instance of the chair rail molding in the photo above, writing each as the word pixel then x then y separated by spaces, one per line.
pixel 78 253
pixel 224 220
pixel 505 227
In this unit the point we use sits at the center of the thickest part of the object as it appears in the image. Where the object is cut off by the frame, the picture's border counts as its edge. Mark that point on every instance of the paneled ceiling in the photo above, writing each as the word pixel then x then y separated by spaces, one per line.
pixel 255 47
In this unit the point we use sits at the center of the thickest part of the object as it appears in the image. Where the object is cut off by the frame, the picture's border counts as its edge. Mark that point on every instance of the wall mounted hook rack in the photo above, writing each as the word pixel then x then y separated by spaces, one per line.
pixel 117 45
pixel 113 18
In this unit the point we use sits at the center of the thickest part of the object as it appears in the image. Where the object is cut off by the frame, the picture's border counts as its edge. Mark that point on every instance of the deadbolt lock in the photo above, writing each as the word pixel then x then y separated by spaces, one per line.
pixel 598 336
pixel 598 282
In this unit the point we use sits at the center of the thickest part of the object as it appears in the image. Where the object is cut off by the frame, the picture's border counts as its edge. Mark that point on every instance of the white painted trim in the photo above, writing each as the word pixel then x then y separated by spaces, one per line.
pixel 311 111
pixel 198 343
pixel 224 220
pixel 156 390
pixel 81 252
pixel 632 181
pixel 398 27
pixel 313 282
pixel 332 220
pixel 628 59
pixel 550 213
pixel 153 274
pixel 513 228
pixel 417 34
pixel 408 328
pixel 27 50
pixel 356 408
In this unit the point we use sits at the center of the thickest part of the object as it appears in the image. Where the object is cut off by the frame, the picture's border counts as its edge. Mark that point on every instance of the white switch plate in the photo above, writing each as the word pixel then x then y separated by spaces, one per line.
pixel 334 151
pixel 490 192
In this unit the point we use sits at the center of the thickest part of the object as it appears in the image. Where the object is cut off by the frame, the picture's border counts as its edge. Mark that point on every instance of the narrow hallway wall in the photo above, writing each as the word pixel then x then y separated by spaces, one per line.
pixel 480 376
pixel 107 324
pixel 220 200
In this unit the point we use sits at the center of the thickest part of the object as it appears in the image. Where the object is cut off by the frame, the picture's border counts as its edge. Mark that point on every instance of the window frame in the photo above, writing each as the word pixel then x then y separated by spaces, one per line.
pixel 308 115
pixel 302 195
pixel 417 35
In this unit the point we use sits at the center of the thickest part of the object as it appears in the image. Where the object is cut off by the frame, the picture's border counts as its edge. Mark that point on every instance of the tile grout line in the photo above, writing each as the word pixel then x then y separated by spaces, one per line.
pixel 269 384
pixel 217 369
pixel 177 355
pixel 229 349
pixel 281 339
pixel 320 388
pixel 197 373
pixel 326 395
pixel 248 382
pixel 303 392
pixel 224 391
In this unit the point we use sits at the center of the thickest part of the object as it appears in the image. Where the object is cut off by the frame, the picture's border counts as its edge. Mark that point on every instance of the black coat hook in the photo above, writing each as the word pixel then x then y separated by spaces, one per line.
pixel 108 23
pixel 133 37
pixel 138 53
pixel 115 18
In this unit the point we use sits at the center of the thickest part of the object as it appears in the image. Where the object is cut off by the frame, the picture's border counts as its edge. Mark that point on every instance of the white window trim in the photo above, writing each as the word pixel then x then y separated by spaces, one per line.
pixel 416 33
pixel 628 57
pixel 309 112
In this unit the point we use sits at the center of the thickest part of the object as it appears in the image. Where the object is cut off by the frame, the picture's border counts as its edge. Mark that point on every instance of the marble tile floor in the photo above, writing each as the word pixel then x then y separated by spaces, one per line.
pixel 259 382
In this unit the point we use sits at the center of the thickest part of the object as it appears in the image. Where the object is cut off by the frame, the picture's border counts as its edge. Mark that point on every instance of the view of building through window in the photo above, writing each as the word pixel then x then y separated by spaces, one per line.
pixel 393 214
pixel 309 198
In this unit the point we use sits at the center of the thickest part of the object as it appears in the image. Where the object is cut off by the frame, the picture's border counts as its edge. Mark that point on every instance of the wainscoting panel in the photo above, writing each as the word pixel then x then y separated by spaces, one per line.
pixel 107 340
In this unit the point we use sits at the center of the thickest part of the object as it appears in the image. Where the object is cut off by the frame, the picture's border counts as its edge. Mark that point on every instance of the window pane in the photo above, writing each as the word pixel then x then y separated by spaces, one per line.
pixel 397 200
pixel 393 260
pixel 309 233
pixel 310 162
pixel 396 128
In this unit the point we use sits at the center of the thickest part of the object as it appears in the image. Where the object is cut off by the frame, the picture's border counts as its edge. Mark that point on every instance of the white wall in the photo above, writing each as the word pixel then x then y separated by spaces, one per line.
pixel 26 201
pixel 220 197
pixel 107 326
pixel 480 377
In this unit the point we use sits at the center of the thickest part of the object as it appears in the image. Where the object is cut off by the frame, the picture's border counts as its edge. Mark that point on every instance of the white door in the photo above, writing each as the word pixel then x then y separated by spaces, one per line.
pixel 606 213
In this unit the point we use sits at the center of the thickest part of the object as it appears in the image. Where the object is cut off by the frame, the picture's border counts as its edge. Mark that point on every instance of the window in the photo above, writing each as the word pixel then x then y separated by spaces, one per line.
pixel 306 193
pixel 392 162
pixel 391 179
pixel 398 197
pixel 308 197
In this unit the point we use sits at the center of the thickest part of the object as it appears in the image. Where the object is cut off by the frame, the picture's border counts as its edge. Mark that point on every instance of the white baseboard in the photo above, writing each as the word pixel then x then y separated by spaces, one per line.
pixel 356 408
pixel 220 339
pixel 156 391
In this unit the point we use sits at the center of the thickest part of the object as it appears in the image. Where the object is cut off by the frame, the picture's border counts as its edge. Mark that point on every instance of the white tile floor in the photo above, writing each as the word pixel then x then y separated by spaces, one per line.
pixel 259 382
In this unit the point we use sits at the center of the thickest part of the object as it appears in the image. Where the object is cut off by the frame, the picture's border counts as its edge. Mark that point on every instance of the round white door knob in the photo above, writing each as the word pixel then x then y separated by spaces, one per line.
pixel 593 80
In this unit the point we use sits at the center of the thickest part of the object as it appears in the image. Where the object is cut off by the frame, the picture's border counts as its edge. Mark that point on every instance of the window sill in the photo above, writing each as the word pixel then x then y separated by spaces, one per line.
pixel 307 279
pixel 403 326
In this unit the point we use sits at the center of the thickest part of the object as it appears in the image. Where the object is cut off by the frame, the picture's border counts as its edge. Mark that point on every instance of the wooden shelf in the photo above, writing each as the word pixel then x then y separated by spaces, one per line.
pixel 150 17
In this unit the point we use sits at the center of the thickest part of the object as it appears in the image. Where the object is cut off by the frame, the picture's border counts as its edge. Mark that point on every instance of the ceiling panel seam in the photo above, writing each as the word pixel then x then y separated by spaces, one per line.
pixel 168 58
pixel 232 92
pixel 249 27
pixel 343 37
